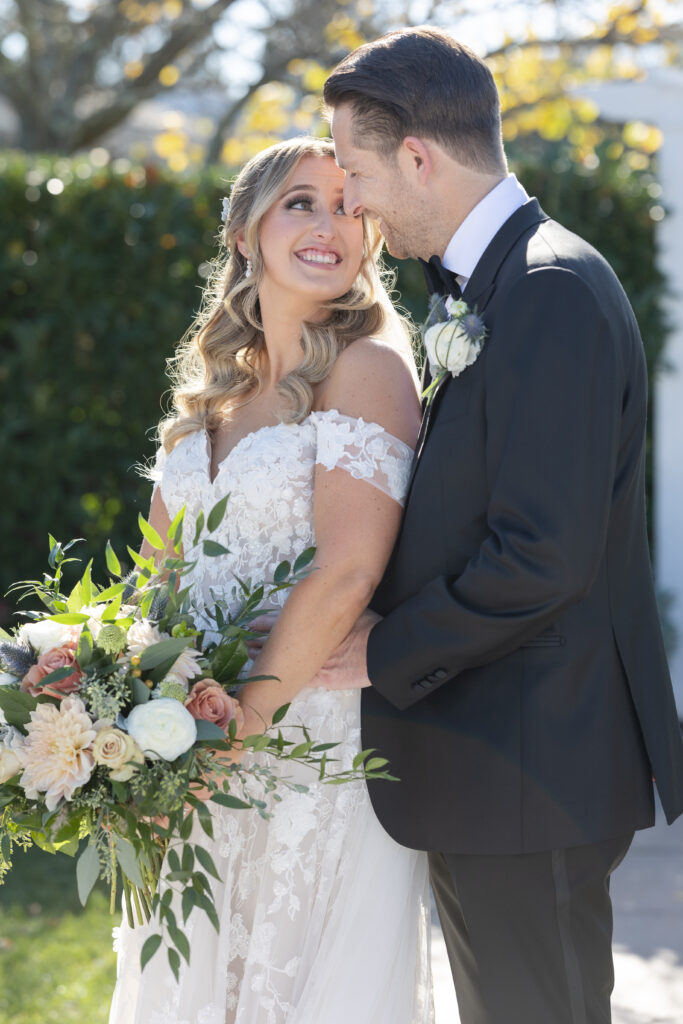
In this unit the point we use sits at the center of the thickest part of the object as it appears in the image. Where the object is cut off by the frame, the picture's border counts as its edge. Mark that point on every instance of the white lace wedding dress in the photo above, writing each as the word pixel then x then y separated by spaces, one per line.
pixel 324 918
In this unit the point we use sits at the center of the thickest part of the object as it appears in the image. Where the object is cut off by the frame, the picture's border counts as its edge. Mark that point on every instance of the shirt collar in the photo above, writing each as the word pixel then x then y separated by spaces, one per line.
pixel 469 242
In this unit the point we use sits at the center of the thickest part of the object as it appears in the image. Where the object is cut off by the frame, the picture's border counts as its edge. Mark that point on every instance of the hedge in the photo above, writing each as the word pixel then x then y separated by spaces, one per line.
pixel 101 271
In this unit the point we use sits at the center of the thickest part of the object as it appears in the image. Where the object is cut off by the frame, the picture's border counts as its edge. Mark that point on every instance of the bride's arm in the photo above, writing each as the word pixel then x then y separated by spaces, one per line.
pixel 355 528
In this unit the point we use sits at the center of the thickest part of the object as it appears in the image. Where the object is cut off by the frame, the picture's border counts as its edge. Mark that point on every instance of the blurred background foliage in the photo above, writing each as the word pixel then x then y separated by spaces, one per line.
pixel 101 268
pixel 121 121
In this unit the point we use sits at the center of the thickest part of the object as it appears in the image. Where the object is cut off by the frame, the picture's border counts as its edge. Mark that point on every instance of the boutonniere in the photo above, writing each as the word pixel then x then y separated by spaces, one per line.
pixel 453 338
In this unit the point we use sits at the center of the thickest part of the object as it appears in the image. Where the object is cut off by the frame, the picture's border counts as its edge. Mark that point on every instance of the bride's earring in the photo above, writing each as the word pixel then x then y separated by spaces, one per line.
pixel 248 271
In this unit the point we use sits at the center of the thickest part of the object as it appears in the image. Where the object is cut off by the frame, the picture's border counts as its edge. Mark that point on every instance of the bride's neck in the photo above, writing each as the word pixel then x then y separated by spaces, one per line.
pixel 282 322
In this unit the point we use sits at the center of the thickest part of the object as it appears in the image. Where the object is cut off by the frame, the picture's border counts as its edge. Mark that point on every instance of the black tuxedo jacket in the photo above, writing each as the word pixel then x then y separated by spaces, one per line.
pixel 520 686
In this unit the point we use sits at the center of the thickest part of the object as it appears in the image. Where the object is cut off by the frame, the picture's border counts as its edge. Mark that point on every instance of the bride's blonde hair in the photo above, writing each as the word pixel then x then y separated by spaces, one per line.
pixel 218 361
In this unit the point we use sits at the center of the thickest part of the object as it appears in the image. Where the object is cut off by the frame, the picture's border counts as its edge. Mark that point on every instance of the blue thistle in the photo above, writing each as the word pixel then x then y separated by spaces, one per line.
pixel 17 658
pixel 473 327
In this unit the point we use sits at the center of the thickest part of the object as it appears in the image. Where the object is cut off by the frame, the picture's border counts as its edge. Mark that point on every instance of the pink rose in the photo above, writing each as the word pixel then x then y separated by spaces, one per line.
pixel 209 702
pixel 58 657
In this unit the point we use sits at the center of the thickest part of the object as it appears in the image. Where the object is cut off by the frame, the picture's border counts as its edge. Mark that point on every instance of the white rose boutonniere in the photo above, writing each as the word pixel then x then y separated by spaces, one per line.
pixel 452 343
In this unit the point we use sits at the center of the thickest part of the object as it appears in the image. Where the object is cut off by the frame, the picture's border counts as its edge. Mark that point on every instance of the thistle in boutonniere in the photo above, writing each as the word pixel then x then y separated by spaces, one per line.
pixel 453 338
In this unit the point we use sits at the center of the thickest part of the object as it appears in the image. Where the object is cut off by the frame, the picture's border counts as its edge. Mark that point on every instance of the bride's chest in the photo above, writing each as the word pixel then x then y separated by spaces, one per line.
pixel 268 477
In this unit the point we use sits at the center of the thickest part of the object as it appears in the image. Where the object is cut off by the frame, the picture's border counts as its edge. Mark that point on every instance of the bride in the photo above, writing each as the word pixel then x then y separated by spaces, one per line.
pixel 296 394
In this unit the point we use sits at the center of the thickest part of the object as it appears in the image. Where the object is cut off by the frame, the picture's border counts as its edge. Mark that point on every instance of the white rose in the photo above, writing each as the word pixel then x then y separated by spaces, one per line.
pixel 163 728
pixel 10 759
pixel 44 635
pixel 449 348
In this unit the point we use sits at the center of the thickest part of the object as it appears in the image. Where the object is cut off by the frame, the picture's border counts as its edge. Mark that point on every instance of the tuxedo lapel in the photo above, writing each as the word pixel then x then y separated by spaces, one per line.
pixel 477 294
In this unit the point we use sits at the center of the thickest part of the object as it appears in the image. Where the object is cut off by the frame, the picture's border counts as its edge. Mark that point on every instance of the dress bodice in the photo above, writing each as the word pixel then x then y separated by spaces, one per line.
pixel 269 476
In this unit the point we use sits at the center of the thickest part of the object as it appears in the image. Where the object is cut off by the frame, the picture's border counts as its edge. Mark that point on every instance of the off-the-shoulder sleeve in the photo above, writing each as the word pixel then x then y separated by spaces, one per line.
pixel 364 450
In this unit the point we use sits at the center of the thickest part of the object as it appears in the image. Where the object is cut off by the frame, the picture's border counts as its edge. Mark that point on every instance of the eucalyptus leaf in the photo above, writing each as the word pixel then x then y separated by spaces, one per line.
pixel 149 948
pixel 199 526
pixel 228 800
pixel 87 872
pixel 209 731
pixel 212 548
pixel 217 514
pixel 304 559
pixel 127 858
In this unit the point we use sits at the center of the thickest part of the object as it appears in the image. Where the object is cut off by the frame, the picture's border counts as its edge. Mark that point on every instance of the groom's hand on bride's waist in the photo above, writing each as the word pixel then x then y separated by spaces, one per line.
pixel 346 668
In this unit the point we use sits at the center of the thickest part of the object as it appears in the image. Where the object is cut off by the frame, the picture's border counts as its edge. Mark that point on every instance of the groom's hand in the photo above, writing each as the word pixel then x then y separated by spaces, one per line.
pixel 346 668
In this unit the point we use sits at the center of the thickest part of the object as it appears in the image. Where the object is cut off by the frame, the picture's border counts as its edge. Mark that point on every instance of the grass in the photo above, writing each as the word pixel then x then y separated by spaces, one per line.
pixel 56 959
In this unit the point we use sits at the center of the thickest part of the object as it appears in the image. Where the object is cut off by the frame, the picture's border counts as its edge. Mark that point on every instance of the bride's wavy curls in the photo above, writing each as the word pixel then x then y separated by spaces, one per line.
pixel 217 365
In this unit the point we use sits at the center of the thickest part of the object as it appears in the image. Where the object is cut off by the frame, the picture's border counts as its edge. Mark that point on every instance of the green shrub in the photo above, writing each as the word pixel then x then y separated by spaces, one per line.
pixel 101 271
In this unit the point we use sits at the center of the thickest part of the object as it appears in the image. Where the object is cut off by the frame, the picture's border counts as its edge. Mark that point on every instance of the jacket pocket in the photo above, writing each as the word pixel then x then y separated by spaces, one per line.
pixel 546 640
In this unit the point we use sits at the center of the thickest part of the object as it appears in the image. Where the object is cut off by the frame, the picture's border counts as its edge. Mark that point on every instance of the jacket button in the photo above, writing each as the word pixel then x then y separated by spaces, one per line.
pixel 440 673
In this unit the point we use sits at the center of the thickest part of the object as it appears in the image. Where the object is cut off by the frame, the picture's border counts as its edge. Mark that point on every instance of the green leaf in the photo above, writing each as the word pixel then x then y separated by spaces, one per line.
pixel 205 819
pixel 228 659
pixel 54 677
pixel 156 654
pixel 112 610
pixel 374 763
pixel 141 693
pixel 75 598
pixel 173 860
pixel 174 962
pixel 304 559
pixel 212 549
pixel 216 514
pixel 175 530
pixel 228 800
pixel 180 941
pixel 209 731
pixel 280 714
pixel 187 904
pixel 86 584
pixel 85 648
pixel 360 757
pixel 17 706
pixel 69 618
pixel 113 564
pixel 149 533
pixel 282 572
pixel 300 751
pixel 146 564
pixel 128 860
pixel 87 873
pixel 206 861
pixel 187 862
pixel 149 949
pixel 199 526
pixel 113 591
pixel 185 831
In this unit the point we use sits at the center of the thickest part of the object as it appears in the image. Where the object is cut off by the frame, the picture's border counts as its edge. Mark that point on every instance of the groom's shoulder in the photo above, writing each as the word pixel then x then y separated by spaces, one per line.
pixel 550 245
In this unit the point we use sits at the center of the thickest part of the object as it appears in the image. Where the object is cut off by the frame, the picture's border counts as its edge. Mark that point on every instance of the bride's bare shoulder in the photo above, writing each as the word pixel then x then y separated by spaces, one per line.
pixel 375 379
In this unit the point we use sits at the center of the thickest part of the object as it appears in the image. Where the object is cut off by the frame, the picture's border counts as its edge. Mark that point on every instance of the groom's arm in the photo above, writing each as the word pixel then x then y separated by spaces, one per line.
pixel 555 384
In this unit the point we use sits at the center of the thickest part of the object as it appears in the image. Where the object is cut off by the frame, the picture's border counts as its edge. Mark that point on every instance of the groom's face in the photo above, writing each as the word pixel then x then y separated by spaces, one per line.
pixel 374 185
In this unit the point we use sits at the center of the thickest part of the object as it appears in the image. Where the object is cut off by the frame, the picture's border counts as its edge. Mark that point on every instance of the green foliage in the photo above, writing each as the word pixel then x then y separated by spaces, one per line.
pixel 98 284
pixel 101 280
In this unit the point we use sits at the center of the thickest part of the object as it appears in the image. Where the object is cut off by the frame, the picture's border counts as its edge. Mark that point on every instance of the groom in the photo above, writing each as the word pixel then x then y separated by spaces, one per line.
pixel 519 685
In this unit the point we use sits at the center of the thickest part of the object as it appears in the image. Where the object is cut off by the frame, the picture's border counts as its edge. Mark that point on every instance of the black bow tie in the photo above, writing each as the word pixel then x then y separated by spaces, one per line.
pixel 440 281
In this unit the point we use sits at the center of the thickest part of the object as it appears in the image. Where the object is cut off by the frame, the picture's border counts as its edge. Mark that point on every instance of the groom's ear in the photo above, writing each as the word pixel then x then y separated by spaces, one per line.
pixel 416 158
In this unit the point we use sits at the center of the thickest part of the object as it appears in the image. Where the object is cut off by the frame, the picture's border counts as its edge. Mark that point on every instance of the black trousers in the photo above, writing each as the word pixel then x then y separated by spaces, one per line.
pixel 529 936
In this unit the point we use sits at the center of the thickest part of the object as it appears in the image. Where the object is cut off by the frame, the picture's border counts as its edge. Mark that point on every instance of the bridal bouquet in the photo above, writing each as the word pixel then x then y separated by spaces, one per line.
pixel 118 727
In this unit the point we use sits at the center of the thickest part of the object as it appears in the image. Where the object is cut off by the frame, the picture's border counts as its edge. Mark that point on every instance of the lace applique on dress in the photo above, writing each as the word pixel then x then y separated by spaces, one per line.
pixel 365 450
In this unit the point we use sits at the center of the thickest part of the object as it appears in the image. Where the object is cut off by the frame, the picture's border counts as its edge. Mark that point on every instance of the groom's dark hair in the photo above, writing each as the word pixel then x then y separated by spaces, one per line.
pixel 421 82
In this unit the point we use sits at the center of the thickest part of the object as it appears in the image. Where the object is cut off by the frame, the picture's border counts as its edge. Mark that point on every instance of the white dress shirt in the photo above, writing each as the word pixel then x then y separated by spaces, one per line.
pixel 469 242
